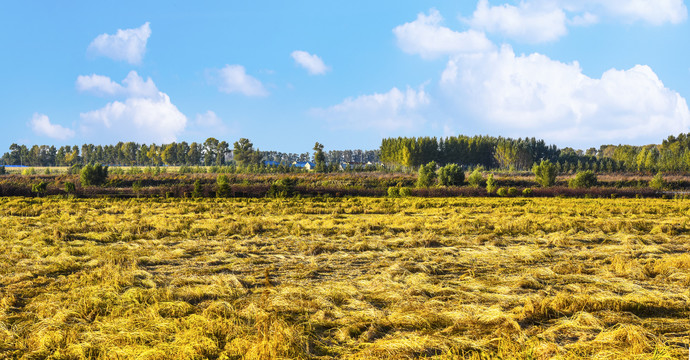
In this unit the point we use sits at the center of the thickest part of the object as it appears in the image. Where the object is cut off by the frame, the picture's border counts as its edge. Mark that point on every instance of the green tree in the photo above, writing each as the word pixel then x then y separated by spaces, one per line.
pixel 319 158
pixel 39 188
pixel 657 182
pixel 427 175
pixel 198 190
pixel 451 175
pixel 243 151
pixel 491 184
pixel 69 187
pixel 93 174
pixel 583 180
pixel 476 178
pixel 222 186
pixel 545 173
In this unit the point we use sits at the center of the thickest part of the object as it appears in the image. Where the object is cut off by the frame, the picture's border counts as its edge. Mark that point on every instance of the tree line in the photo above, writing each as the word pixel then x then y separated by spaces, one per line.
pixel 672 155
pixel 211 152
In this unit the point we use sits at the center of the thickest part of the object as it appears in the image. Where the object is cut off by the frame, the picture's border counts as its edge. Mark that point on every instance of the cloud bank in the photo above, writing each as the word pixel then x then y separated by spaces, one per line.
pixel 535 95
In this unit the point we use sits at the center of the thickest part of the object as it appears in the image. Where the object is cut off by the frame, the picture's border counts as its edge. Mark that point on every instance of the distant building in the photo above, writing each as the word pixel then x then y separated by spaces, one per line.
pixel 304 165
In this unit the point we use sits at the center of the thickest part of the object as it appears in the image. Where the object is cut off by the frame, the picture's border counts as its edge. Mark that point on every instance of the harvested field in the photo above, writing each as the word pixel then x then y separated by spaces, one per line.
pixel 357 278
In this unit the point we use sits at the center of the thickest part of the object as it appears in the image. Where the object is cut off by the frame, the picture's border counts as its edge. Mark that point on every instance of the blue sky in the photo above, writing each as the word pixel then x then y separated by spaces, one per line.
pixel 346 74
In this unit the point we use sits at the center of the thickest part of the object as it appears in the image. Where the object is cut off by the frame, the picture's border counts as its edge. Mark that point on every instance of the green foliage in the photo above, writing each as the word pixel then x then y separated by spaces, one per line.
pixel 29 171
pixel 74 169
pixel 136 187
pixel 2 170
pixel 426 176
pixel 513 191
pixel 69 187
pixel 319 158
pixel 491 184
pixel 476 179
pixel 405 191
pixel 583 180
pixel 527 192
pixel 657 182
pixel 393 191
pixel 545 173
pixel 93 175
pixel 197 192
pixel 222 186
pixel 451 175
pixel 502 192
pixel 282 188
pixel 47 172
pixel 39 188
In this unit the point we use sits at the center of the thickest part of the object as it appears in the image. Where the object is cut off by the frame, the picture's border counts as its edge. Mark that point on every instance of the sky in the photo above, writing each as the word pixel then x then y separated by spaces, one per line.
pixel 286 74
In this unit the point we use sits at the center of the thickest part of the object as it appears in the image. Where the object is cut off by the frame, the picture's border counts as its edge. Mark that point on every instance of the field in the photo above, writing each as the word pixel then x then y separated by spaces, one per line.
pixel 359 278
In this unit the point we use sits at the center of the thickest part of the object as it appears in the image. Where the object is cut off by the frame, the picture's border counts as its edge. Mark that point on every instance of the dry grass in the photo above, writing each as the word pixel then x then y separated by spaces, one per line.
pixel 344 278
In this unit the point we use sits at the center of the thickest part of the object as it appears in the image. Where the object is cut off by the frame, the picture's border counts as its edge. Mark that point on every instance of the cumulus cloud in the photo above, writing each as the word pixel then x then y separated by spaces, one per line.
pixel 125 45
pixel 537 96
pixel 389 111
pixel 145 114
pixel 427 38
pixel 311 62
pixel 134 85
pixel 234 79
pixel 529 21
pixel 41 125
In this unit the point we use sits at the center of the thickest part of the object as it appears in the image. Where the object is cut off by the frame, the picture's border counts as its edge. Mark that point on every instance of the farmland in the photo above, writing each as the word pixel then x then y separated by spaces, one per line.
pixel 361 278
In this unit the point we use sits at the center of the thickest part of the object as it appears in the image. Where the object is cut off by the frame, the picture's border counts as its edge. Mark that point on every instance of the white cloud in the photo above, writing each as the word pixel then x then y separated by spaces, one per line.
pixel 208 124
pixel 426 37
pixel 134 85
pixel 533 22
pixel 311 62
pixel 138 119
pixel 128 45
pixel 234 79
pixel 41 125
pixel 145 114
pixel 654 12
pixel 536 96
pixel 389 111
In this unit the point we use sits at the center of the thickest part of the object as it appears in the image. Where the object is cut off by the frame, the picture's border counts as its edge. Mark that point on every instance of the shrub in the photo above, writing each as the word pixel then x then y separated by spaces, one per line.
pixel 545 173
pixel 393 191
pixel 39 188
pixel 93 174
pixel 136 187
pixel 427 175
pixel 527 192
pixel 658 182
pixel 70 188
pixel 513 191
pixel 583 180
pixel 502 191
pixel 491 184
pixel 74 169
pixel 282 188
pixel 29 171
pixel 405 191
pixel 223 186
pixel 2 170
pixel 451 175
pixel 476 178
pixel 198 191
